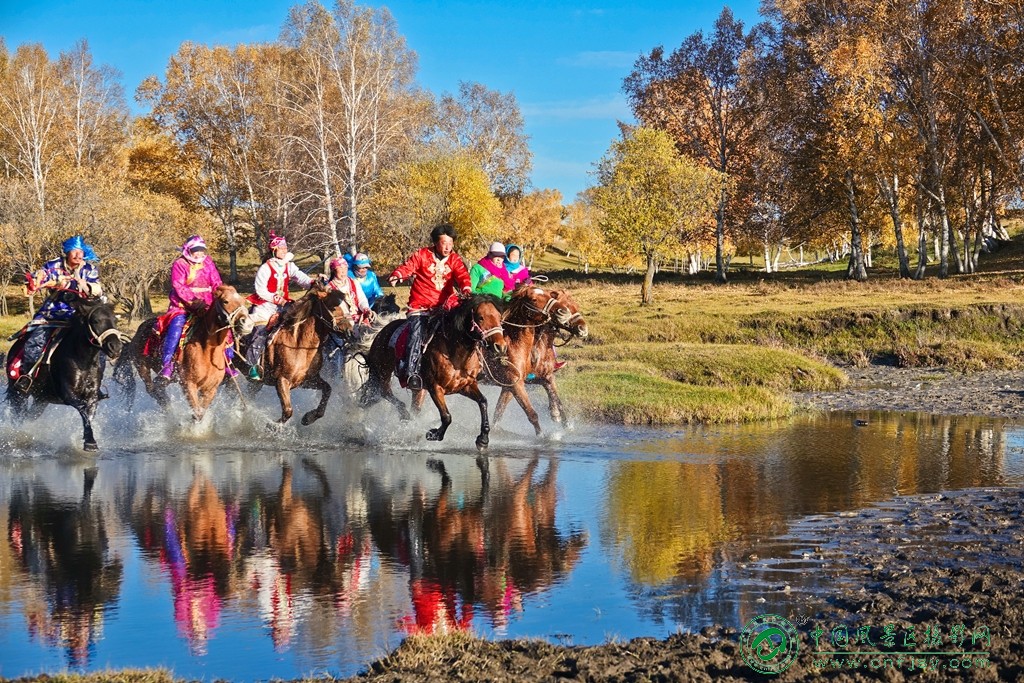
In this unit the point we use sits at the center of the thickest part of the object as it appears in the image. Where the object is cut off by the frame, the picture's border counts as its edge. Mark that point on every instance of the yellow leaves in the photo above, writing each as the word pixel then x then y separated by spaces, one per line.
pixel 652 196
pixel 532 221
pixel 410 199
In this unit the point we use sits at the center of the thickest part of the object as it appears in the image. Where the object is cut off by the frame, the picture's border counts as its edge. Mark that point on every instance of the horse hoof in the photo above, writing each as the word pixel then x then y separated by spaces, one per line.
pixel 310 418
pixel 90 446
pixel 435 435
pixel 481 443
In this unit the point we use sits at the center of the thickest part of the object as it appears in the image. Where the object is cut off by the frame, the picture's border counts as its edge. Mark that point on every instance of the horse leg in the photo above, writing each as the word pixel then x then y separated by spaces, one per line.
pixel 318 382
pixel 554 402
pixel 437 393
pixel 194 401
pixel 284 393
pixel 517 390
pixel 87 409
pixel 383 386
pixel 418 397
pixel 158 392
pixel 473 392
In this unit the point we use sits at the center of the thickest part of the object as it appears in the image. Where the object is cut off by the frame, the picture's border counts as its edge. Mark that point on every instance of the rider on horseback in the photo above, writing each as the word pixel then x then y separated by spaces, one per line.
pixel 194 277
pixel 353 295
pixel 75 271
pixel 271 295
pixel 436 272
pixel 366 278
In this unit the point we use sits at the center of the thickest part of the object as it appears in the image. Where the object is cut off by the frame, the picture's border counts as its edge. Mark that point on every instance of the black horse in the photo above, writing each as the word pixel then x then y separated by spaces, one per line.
pixel 386 305
pixel 73 375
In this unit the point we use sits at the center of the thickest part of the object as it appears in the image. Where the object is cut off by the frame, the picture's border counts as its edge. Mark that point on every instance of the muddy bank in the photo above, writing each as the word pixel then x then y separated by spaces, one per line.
pixel 926 564
pixel 993 393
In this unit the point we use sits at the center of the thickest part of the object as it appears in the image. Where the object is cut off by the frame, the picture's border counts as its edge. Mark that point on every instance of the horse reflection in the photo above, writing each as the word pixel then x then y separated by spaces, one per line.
pixel 487 552
pixel 66 544
pixel 290 558
pixel 195 541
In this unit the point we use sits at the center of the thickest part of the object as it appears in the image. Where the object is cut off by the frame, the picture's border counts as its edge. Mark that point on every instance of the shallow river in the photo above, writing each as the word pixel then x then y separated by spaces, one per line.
pixel 243 553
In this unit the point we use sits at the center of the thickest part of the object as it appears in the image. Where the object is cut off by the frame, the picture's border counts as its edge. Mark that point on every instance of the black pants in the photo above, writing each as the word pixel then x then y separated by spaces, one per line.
pixel 417 323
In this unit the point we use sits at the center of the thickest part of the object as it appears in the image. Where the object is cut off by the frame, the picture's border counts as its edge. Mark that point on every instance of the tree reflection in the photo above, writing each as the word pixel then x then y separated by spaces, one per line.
pixel 65 544
pixel 489 551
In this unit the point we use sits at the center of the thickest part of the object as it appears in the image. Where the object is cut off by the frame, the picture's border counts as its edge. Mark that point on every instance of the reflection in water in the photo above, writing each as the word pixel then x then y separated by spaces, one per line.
pixel 686 530
pixel 63 545
pixel 488 551
pixel 322 560
pixel 193 540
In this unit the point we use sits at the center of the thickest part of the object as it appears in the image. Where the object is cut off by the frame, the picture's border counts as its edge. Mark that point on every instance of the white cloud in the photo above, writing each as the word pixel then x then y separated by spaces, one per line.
pixel 613 107
pixel 603 59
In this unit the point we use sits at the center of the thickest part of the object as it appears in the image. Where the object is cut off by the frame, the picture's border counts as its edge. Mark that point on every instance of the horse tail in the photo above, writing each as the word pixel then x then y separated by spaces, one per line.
pixel 124 371
pixel 372 389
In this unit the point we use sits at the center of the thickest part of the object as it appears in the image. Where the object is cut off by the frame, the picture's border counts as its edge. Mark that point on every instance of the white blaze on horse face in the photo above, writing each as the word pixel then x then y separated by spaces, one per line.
pixel 538 291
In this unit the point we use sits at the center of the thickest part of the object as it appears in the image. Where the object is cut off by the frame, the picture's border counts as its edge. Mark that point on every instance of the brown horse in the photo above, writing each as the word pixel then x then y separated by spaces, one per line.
pixel 203 363
pixel 293 357
pixel 451 361
pixel 533 320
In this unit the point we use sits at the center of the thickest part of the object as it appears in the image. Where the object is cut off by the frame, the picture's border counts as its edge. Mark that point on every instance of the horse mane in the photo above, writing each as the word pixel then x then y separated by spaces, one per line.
pixel 521 299
pixel 460 318
pixel 299 311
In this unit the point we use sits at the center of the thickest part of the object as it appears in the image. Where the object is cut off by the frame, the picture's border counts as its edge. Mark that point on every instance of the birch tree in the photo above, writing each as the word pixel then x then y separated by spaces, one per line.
pixel 489 125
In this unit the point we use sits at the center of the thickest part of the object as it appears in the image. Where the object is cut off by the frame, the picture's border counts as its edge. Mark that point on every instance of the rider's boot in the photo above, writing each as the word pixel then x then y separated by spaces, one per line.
pixel 416 323
pixel 229 369
pixel 172 335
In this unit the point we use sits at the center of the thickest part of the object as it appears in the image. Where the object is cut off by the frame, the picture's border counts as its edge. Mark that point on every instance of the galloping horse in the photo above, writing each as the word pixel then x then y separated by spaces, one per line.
pixel 293 355
pixel 450 364
pixel 203 364
pixel 73 374
pixel 533 320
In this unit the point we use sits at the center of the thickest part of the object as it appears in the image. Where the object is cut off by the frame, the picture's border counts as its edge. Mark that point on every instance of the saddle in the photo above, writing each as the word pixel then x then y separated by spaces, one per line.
pixel 155 341
pixel 14 368
pixel 399 343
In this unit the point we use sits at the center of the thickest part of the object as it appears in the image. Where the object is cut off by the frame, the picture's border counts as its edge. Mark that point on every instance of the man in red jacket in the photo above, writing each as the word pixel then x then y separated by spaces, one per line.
pixel 436 271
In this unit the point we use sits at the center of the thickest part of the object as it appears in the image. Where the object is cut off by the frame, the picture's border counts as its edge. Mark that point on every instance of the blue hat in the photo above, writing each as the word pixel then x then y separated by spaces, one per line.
pixel 77 242
pixel 361 260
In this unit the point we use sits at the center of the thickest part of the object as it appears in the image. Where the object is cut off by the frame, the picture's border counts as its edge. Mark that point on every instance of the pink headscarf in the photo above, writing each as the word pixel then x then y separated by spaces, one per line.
pixel 335 262
pixel 277 241
pixel 193 242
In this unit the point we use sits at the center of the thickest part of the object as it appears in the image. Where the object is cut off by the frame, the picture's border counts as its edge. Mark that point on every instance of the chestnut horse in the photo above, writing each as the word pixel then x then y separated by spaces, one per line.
pixel 533 320
pixel 450 364
pixel 203 364
pixel 293 356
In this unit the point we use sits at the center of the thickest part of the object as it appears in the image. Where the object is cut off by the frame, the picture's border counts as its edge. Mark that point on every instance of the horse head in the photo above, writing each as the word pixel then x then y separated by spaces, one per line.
pixel 386 305
pixel 529 306
pixel 565 315
pixel 100 325
pixel 484 322
pixel 331 309
pixel 232 310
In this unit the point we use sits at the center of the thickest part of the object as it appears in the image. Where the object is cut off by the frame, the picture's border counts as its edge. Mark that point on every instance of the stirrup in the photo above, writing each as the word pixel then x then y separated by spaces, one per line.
pixel 415 382
pixel 24 383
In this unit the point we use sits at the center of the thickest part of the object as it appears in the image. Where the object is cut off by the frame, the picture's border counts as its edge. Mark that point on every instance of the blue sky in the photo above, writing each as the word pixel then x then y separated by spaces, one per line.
pixel 564 61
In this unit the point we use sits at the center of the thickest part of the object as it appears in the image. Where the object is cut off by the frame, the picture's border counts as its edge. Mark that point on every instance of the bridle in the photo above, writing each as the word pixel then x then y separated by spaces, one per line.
pixel 97 339
pixel 230 319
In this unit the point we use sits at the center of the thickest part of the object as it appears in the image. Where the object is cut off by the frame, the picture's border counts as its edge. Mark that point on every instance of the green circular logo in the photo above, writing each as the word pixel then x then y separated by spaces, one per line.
pixel 768 643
